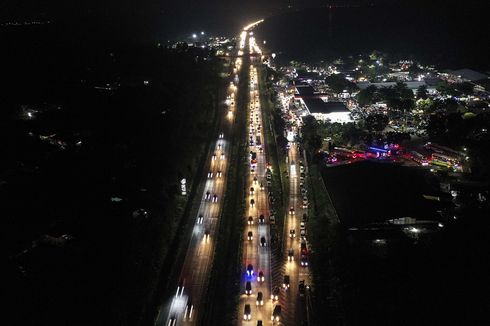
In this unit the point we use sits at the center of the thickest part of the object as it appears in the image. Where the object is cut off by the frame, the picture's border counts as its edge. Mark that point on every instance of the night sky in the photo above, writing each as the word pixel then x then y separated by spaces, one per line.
pixel 161 19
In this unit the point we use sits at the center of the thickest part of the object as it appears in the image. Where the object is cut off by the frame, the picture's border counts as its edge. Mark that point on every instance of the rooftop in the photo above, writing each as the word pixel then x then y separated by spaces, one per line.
pixel 410 84
pixel 316 105
pixel 468 74
pixel 304 90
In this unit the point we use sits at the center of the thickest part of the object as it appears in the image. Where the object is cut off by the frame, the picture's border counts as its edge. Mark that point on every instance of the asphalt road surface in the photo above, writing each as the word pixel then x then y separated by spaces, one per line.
pixel 185 305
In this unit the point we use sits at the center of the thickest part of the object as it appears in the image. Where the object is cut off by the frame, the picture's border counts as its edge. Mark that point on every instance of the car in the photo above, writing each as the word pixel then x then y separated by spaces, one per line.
pixel 215 198
pixel 292 233
pixel 252 202
pixel 303 191
pixel 261 219
pixel 180 289
pixel 304 260
pixel 272 219
pixel 261 186
pixel 189 308
pixel 252 190
pixel 304 248
pixel 222 157
pixel 290 254
pixel 276 314
pixel 305 202
pixel 268 177
pixel 206 235
pixel 303 233
pixel 200 219
pixel 247 314
pixel 248 288
pixel 301 288
pixel 291 211
pixel 252 170
pixel 260 278
pixel 302 225
pixel 269 183
pixel 208 195
pixel 250 220
pixel 250 235
pixel 218 174
pixel 210 175
pixel 260 299
pixel 214 157
pixel 250 270
pixel 259 323
pixel 255 181
pixel 275 294
pixel 172 321
pixel 263 243
pixel 305 217
pixel 219 146
pixel 285 282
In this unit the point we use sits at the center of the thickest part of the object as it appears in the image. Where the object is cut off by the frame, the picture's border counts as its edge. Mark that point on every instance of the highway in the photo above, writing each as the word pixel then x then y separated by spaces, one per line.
pixel 296 266
pixel 184 305
pixel 256 236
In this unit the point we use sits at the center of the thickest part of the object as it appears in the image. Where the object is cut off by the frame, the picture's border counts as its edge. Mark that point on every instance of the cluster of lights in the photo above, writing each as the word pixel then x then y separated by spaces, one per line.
pixel 254 48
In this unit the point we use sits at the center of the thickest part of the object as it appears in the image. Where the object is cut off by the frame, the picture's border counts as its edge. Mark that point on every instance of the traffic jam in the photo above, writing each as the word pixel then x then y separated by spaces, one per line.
pixel 192 285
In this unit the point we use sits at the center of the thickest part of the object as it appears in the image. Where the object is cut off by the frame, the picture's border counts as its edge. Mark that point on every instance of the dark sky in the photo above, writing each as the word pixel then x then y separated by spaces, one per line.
pixel 163 19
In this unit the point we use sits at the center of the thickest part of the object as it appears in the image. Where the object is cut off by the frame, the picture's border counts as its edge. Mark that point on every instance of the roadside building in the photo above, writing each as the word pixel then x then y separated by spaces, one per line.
pixel 412 85
pixel 327 111
pixel 463 75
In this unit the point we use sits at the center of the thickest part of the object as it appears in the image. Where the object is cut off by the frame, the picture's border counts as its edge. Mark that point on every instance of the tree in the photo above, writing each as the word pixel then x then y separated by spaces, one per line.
pixel 376 122
pixel 443 87
pixel 366 96
pixel 465 88
pixel 426 105
pixel 402 91
pixel 422 92
pixel 338 83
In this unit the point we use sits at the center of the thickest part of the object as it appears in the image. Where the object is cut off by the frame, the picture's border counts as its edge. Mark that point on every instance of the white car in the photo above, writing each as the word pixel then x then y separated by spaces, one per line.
pixel 218 174
pixel 210 175
pixel 221 135
pixel 250 220
pixel 250 236
pixel 215 198
pixel 247 314
pixel 200 219
pixel 260 277
pixel 207 196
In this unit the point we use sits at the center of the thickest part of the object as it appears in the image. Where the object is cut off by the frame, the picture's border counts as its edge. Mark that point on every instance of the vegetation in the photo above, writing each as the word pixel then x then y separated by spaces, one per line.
pixel 109 177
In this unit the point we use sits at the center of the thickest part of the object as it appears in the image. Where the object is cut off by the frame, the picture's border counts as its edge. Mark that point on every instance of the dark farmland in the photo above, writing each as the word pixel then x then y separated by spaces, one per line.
pixel 432 281
pixel 370 192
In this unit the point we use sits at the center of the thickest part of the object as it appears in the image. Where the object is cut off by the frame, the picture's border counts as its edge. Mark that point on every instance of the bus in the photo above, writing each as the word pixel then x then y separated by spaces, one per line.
pixel 348 153
pixel 419 158
pixel 443 150
pixel 448 161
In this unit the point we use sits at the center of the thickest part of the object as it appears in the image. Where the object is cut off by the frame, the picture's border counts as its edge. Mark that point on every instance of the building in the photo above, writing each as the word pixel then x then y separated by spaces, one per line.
pixel 462 75
pixel 413 85
pixel 327 111
pixel 317 105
